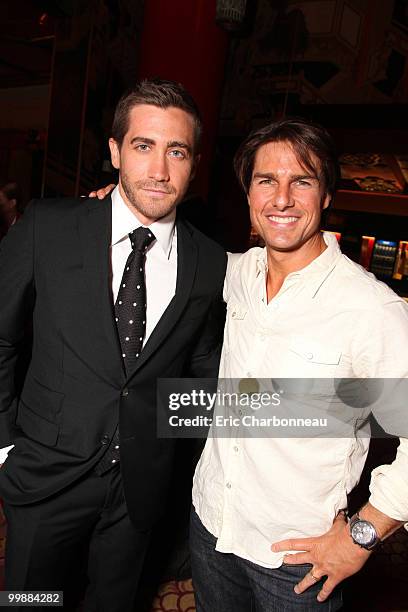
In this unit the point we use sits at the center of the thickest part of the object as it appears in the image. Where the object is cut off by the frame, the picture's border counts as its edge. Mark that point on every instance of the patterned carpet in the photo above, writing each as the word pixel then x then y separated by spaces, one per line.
pixel 175 597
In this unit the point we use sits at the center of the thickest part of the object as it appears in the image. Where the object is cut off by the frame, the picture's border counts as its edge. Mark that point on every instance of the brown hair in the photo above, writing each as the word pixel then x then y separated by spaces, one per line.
pixel 160 93
pixel 311 143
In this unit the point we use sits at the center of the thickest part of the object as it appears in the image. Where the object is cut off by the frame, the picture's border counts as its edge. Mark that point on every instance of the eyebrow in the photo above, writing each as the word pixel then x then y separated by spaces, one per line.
pixel 293 177
pixel 179 144
pixel 170 145
pixel 142 139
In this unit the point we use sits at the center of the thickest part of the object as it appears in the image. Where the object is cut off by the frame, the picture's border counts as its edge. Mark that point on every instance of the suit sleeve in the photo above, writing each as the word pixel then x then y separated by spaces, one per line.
pixel 205 358
pixel 16 299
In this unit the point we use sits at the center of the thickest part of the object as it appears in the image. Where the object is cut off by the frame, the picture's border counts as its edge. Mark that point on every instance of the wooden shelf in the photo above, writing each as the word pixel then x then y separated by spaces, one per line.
pixel 371 202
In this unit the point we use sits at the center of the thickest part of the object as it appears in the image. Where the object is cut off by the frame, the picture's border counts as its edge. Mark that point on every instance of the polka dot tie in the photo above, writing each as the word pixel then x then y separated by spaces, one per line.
pixel 130 306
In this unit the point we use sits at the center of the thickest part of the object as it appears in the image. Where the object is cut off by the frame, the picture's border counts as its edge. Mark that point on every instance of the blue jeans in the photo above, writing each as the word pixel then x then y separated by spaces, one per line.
pixel 224 582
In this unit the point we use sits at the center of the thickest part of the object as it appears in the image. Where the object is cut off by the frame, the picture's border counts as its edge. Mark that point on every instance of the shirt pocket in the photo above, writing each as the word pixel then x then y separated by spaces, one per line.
pixel 234 324
pixel 312 359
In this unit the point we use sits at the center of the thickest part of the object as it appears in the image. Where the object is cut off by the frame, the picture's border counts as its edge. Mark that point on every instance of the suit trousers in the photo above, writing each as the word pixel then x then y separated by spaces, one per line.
pixel 80 539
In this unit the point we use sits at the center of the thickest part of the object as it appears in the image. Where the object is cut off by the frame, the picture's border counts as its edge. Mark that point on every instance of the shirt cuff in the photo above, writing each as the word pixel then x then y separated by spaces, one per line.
pixel 3 453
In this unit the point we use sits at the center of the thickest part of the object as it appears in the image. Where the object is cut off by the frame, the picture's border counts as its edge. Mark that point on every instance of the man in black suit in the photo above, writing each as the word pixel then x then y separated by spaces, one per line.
pixel 87 477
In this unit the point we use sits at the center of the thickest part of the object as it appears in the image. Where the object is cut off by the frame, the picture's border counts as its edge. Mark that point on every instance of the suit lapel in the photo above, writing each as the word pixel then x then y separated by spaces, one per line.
pixel 101 338
pixel 186 270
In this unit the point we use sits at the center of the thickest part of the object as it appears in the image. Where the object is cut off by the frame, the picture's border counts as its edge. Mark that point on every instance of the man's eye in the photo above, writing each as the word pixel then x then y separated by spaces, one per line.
pixel 266 181
pixel 177 153
pixel 303 183
pixel 142 147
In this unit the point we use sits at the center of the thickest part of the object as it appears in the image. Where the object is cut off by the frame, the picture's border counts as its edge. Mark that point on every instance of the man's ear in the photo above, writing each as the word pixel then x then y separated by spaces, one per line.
pixel 326 201
pixel 194 167
pixel 115 153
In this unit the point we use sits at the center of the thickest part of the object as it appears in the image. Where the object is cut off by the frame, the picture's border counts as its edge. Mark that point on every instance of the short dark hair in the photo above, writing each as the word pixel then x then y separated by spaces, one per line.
pixel 160 93
pixel 309 141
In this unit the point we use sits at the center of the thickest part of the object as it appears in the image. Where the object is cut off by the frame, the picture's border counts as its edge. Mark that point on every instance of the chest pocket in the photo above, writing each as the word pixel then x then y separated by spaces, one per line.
pixel 234 324
pixel 314 359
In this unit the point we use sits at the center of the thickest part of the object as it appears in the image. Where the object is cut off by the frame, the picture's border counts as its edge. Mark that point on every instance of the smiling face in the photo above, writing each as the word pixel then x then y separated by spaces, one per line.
pixel 156 160
pixel 286 202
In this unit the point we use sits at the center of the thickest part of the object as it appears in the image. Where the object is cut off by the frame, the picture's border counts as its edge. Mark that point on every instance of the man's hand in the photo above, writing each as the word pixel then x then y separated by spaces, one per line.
pixel 333 554
pixel 102 192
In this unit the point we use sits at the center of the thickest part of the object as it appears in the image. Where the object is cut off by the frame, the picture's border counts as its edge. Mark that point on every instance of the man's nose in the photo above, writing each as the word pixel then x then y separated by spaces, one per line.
pixel 158 168
pixel 283 198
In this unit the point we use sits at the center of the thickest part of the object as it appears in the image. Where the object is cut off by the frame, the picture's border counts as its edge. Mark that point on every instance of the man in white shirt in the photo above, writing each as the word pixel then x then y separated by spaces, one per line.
pixel 297 308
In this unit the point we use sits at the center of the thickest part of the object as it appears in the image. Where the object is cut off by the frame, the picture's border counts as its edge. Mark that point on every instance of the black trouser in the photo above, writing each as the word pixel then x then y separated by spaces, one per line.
pixel 84 527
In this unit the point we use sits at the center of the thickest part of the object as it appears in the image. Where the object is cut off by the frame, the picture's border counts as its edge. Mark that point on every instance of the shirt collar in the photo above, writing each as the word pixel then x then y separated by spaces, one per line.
pixel 124 222
pixel 317 271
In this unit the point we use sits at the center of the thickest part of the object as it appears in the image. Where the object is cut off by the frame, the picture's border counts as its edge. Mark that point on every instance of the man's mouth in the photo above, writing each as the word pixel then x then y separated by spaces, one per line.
pixel 157 192
pixel 154 188
pixel 282 220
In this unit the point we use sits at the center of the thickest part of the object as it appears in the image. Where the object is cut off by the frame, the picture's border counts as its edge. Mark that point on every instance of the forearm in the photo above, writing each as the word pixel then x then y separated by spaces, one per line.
pixel 384 525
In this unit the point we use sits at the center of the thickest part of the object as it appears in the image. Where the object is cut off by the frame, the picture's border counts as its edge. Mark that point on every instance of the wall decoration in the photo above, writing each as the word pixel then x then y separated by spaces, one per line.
pixel 371 172
pixel 350 23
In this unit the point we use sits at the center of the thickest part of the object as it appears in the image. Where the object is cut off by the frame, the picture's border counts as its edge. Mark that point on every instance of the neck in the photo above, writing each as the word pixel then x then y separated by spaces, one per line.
pixel 283 263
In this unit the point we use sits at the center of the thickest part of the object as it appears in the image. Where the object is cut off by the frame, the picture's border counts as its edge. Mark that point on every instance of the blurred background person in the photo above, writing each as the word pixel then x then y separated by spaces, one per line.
pixel 10 206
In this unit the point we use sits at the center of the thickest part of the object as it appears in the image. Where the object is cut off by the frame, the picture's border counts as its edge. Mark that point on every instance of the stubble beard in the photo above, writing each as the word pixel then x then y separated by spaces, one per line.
pixel 150 207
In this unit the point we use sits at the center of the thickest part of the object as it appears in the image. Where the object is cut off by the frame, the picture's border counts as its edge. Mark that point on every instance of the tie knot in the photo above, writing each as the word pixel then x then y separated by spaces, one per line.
pixel 141 238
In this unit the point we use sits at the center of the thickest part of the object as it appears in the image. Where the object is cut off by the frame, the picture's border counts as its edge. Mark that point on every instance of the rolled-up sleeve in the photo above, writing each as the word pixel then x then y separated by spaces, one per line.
pixel 389 485
pixel 383 354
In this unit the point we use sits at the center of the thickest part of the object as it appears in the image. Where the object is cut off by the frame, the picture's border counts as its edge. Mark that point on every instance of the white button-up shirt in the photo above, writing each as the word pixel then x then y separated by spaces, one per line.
pixel 331 319
pixel 160 263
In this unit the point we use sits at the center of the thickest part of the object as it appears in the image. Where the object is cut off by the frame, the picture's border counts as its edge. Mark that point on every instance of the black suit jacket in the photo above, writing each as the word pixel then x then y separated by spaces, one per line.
pixel 55 263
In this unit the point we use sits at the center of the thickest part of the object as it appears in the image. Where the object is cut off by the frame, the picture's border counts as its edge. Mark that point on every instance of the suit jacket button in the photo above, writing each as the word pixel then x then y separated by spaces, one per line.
pixel 125 392
pixel 105 440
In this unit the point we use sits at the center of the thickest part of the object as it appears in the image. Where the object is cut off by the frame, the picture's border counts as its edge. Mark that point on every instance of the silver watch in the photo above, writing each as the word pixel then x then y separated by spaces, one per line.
pixel 363 533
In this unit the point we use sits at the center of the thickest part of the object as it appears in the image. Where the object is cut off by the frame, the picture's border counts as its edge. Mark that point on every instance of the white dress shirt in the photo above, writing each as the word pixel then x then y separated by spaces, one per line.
pixel 160 265
pixel 331 319
pixel 161 258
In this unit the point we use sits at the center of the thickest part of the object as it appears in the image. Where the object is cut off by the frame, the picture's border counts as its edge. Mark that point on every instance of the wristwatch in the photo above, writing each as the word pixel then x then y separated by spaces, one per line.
pixel 363 533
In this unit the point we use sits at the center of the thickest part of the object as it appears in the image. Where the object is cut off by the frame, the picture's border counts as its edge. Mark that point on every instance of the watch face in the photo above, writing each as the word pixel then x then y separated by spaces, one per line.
pixel 363 533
